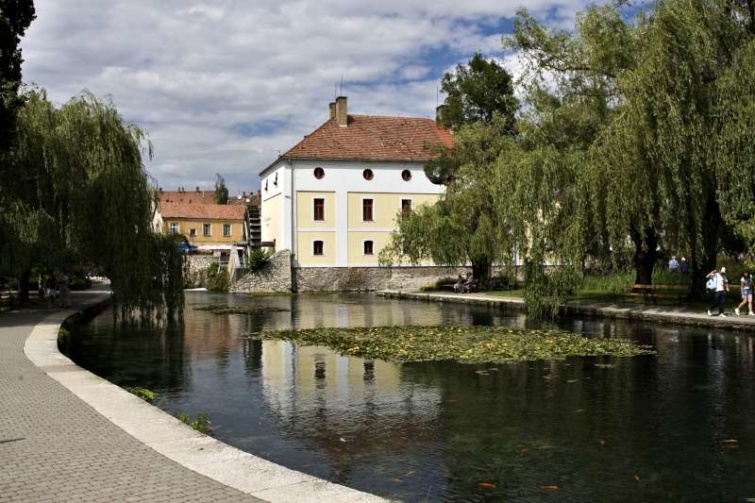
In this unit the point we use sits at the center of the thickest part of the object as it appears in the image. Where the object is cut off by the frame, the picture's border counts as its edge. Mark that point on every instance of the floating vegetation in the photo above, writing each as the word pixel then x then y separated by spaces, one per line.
pixel 226 309
pixel 462 344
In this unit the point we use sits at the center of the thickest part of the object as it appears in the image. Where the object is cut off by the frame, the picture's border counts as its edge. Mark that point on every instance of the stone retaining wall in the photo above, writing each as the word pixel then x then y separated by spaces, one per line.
pixel 275 277
pixel 281 275
pixel 331 279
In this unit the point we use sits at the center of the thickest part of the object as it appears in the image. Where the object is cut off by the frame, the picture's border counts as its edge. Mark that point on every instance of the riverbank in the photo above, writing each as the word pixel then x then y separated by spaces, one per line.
pixel 659 314
pixel 70 436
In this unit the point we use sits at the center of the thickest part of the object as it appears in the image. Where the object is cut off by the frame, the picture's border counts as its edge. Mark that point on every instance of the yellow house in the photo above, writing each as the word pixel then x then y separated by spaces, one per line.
pixel 207 226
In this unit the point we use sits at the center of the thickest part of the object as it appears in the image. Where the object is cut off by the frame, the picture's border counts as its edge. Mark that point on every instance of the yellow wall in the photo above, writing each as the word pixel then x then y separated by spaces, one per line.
pixel 272 219
pixel 356 246
pixel 305 213
pixel 385 207
pixel 216 229
pixel 305 247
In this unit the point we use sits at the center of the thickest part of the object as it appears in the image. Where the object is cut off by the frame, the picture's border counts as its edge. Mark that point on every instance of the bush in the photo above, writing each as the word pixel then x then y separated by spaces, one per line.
pixel 258 259
pixel 217 278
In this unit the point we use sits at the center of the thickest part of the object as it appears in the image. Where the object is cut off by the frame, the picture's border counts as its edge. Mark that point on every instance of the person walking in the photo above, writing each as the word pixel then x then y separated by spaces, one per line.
pixel 746 284
pixel 721 286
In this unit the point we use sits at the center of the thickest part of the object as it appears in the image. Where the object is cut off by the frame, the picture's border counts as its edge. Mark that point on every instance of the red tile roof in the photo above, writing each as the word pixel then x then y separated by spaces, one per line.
pixel 188 196
pixel 202 211
pixel 372 138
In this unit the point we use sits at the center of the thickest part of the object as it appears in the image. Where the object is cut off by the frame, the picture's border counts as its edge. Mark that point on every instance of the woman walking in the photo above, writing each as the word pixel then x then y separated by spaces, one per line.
pixel 746 283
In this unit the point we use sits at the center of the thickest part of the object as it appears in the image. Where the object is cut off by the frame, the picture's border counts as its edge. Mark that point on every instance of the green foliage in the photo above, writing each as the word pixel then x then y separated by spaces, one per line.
pixel 201 423
pixel 64 339
pixel 217 278
pixel 258 259
pixel 226 309
pixel 15 18
pixel 77 192
pixel 465 226
pixel 143 393
pixel 221 191
pixel 477 92
pixel 462 344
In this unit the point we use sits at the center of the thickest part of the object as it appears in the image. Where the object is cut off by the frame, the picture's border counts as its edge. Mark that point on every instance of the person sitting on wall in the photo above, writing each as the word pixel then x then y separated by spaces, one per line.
pixel 459 285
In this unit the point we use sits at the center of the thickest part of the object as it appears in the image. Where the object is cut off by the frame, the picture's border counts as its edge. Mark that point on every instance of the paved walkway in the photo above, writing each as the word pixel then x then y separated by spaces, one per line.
pixel 664 314
pixel 69 436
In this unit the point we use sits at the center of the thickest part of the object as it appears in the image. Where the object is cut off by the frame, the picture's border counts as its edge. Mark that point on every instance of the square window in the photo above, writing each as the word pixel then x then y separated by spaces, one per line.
pixel 317 248
pixel 173 228
pixel 193 233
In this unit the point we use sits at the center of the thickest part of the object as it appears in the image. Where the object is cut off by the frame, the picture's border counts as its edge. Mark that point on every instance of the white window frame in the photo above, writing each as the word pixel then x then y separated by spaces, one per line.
pixel 230 230
pixel 207 230
pixel 174 228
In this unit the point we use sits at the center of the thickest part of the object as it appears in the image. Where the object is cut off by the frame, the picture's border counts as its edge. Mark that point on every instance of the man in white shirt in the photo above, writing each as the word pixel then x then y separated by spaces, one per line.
pixel 721 287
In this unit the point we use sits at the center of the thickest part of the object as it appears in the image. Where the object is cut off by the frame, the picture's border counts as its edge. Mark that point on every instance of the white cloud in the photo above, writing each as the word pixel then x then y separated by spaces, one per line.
pixel 223 86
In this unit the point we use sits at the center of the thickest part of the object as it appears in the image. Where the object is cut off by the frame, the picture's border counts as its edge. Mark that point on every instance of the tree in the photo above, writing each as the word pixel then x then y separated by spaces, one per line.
pixel 15 18
pixel 463 226
pixel 221 191
pixel 81 195
pixel 478 92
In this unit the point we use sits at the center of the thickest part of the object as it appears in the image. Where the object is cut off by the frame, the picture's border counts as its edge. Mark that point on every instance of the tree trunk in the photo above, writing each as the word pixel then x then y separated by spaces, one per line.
pixel 645 255
pixel 23 286
pixel 481 271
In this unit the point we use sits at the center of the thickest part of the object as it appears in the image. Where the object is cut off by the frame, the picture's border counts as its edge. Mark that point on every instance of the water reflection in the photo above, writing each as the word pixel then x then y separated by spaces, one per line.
pixel 672 427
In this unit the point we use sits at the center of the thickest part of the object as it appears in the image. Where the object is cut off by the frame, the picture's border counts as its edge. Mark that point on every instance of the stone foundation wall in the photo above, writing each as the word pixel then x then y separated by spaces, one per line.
pixel 275 277
pixel 282 276
pixel 331 279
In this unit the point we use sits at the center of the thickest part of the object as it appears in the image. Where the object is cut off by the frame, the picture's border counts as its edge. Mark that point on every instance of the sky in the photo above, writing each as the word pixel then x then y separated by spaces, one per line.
pixel 225 86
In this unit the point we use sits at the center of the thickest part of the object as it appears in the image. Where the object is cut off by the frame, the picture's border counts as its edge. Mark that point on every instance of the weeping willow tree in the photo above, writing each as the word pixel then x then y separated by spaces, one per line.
pixel 81 195
pixel 463 227
pixel 734 150
pixel 666 157
pixel 569 84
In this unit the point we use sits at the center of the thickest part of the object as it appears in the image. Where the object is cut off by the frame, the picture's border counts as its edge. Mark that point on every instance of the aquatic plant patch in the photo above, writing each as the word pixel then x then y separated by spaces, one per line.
pixel 226 309
pixel 462 344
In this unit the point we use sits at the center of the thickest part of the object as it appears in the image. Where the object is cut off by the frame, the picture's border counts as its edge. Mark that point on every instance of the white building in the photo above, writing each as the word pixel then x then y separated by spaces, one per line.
pixel 333 199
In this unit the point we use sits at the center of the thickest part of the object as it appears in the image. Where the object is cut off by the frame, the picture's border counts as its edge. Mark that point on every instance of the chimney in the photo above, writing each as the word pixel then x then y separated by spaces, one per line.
pixel 331 110
pixel 342 116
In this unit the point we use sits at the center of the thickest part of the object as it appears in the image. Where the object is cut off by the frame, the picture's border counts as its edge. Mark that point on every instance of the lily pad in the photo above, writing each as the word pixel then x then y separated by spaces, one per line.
pixel 462 344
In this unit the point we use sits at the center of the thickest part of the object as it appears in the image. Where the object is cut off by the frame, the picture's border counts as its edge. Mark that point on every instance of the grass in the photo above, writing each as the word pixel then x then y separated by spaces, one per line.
pixel 461 344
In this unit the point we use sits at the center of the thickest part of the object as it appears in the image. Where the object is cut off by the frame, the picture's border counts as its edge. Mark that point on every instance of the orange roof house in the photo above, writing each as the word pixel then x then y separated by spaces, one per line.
pixel 207 226
pixel 332 199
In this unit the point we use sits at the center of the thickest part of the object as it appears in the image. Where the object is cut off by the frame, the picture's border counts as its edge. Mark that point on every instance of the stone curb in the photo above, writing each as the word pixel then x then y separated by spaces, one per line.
pixel 169 436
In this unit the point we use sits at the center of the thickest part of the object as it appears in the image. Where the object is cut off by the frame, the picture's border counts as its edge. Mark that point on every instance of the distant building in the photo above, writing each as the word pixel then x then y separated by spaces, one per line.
pixel 209 227
pixel 333 198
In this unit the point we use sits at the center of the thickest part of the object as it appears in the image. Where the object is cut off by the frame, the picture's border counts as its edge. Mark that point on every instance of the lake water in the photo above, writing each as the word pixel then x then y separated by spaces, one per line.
pixel 676 426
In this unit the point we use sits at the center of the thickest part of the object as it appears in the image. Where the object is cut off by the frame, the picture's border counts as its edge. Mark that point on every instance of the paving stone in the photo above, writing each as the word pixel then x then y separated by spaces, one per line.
pixel 56 448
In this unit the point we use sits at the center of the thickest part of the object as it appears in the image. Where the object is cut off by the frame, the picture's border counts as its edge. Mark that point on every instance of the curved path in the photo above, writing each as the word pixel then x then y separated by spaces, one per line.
pixel 68 436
